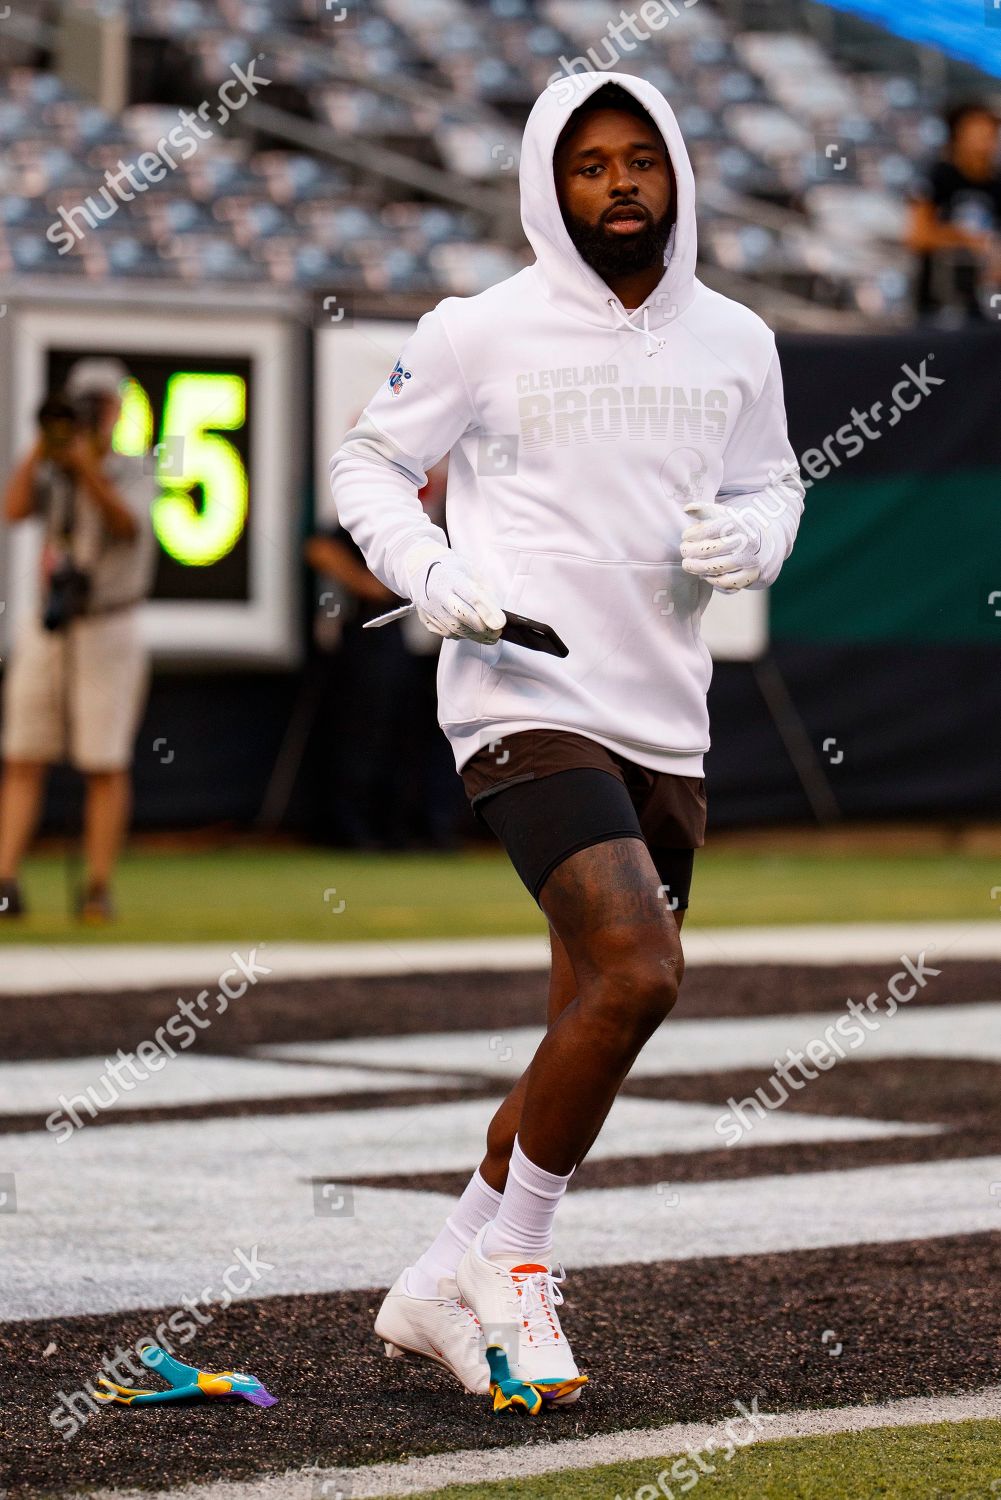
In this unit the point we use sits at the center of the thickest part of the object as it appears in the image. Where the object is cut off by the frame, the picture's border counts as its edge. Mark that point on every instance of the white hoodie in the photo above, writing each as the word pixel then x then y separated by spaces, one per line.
pixel 577 434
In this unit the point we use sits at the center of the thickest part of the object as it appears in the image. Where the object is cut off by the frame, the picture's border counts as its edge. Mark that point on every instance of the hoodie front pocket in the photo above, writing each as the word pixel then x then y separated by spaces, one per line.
pixel 510 599
pixel 635 668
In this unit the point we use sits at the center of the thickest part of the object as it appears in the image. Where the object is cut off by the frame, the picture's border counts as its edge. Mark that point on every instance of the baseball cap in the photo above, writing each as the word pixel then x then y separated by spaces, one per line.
pixel 96 376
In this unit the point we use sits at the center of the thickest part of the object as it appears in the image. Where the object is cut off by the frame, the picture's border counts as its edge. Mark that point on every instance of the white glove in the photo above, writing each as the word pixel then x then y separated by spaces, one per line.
pixel 723 548
pixel 450 599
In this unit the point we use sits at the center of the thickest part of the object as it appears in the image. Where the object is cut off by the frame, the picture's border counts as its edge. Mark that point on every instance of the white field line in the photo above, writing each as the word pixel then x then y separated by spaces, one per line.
pixel 474 1466
pixel 36 1085
pixel 699 1046
pixel 40 969
pixel 255 1184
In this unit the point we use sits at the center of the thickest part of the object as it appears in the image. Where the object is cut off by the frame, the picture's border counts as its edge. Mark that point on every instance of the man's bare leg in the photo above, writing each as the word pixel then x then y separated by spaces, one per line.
pixel 504 1126
pixel 632 934
pixel 481 1197
pixel 622 940
pixel 106 816
pixel 621 943
pixel 20 805
pixel 413 1315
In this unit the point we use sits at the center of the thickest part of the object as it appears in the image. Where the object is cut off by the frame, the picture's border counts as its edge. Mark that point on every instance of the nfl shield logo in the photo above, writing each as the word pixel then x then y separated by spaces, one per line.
pixel 397 378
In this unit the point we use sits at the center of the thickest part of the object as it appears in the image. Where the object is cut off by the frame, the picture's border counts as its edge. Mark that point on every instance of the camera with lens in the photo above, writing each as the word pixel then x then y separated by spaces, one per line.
pixel 61 421
pixel 69 590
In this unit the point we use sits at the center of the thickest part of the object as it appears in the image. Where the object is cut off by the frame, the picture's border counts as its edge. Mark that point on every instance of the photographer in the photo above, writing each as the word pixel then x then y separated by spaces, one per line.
pixel 955 219
pixel 76 682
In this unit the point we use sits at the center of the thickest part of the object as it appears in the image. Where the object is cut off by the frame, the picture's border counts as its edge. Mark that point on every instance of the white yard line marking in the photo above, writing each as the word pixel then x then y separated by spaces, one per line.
pixel 189 1078
pixel 706 1046
pixel 382 1142
pixel 472 1466
pixel 773 1215
pixel 38 969
pixel 188 1192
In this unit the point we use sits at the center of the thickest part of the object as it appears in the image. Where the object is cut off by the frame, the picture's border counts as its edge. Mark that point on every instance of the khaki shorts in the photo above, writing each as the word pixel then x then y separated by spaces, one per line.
pixel 108 679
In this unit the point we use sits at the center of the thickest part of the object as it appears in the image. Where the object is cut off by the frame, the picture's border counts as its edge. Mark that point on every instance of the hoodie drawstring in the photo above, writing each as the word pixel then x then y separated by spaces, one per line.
pixel 653 344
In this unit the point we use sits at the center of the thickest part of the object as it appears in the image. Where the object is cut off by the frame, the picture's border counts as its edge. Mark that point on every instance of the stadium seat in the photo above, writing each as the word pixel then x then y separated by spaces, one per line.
pixel 449 82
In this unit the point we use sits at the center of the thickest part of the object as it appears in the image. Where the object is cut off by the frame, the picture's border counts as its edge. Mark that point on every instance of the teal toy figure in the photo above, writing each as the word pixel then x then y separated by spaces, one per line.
pixel 508 1391
pixel 185 1381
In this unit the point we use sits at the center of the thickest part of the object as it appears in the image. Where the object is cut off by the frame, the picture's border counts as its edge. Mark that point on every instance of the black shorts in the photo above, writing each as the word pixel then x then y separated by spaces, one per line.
pixel 547 794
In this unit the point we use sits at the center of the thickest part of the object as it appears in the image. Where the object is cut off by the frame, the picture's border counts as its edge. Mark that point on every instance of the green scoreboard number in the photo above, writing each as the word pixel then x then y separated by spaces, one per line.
pixel 192 455
pixel 203 438
pixel 189 416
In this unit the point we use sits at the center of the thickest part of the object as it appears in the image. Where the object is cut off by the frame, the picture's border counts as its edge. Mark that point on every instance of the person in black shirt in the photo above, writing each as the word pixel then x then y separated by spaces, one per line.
pixel 364 674
pixel 955 224
pixel 387 778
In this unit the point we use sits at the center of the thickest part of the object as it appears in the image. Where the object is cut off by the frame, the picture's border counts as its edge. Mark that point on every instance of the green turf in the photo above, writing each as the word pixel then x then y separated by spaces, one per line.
pixel 945 1461
pixel 254 895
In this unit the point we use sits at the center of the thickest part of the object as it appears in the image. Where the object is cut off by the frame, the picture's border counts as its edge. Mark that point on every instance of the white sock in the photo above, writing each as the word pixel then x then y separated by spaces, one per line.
pixel 524 1222
pixel 477 1205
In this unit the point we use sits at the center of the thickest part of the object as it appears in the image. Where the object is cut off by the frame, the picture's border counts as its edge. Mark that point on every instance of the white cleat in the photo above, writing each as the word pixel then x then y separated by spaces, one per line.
pixel 516 1301
pixel 442 1329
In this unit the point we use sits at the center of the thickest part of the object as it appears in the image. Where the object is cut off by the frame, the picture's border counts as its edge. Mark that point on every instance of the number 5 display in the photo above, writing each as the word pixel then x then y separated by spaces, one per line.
pixel 190 454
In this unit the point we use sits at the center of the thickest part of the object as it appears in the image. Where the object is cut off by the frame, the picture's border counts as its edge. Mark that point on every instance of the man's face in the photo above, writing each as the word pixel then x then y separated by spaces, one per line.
pixel 57 438
pixel 615 189
pixel 978 136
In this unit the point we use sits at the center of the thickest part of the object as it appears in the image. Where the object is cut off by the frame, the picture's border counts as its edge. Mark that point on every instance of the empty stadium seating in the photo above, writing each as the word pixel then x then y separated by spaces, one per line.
pixel 804 168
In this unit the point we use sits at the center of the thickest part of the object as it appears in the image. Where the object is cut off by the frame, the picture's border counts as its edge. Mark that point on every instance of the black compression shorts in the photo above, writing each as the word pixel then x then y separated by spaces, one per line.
pixel 544 807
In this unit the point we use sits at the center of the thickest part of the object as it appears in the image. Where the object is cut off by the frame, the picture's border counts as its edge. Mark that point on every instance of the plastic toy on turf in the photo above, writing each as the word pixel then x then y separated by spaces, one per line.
pixel 185 1381
pixel 508 1391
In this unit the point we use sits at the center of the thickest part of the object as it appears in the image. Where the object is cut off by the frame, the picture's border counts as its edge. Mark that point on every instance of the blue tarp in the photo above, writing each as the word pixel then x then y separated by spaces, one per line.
pixel 966 29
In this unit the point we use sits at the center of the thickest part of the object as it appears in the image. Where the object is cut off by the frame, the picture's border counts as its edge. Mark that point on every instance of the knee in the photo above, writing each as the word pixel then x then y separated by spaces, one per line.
pixel 653 984
pixel 637 990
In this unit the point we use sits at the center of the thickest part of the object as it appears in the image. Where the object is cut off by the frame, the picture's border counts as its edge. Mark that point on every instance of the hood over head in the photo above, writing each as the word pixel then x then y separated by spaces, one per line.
pixel 570 283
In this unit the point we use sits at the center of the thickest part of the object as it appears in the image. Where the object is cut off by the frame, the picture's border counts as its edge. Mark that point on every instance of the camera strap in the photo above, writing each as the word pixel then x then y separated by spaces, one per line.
pixel 62 507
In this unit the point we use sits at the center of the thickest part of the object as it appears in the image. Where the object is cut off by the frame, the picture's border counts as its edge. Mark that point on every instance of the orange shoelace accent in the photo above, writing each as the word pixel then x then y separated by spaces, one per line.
pixel 530 1269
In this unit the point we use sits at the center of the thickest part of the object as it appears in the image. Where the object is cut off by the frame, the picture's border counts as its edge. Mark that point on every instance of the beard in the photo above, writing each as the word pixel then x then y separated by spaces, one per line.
pixel 612 255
